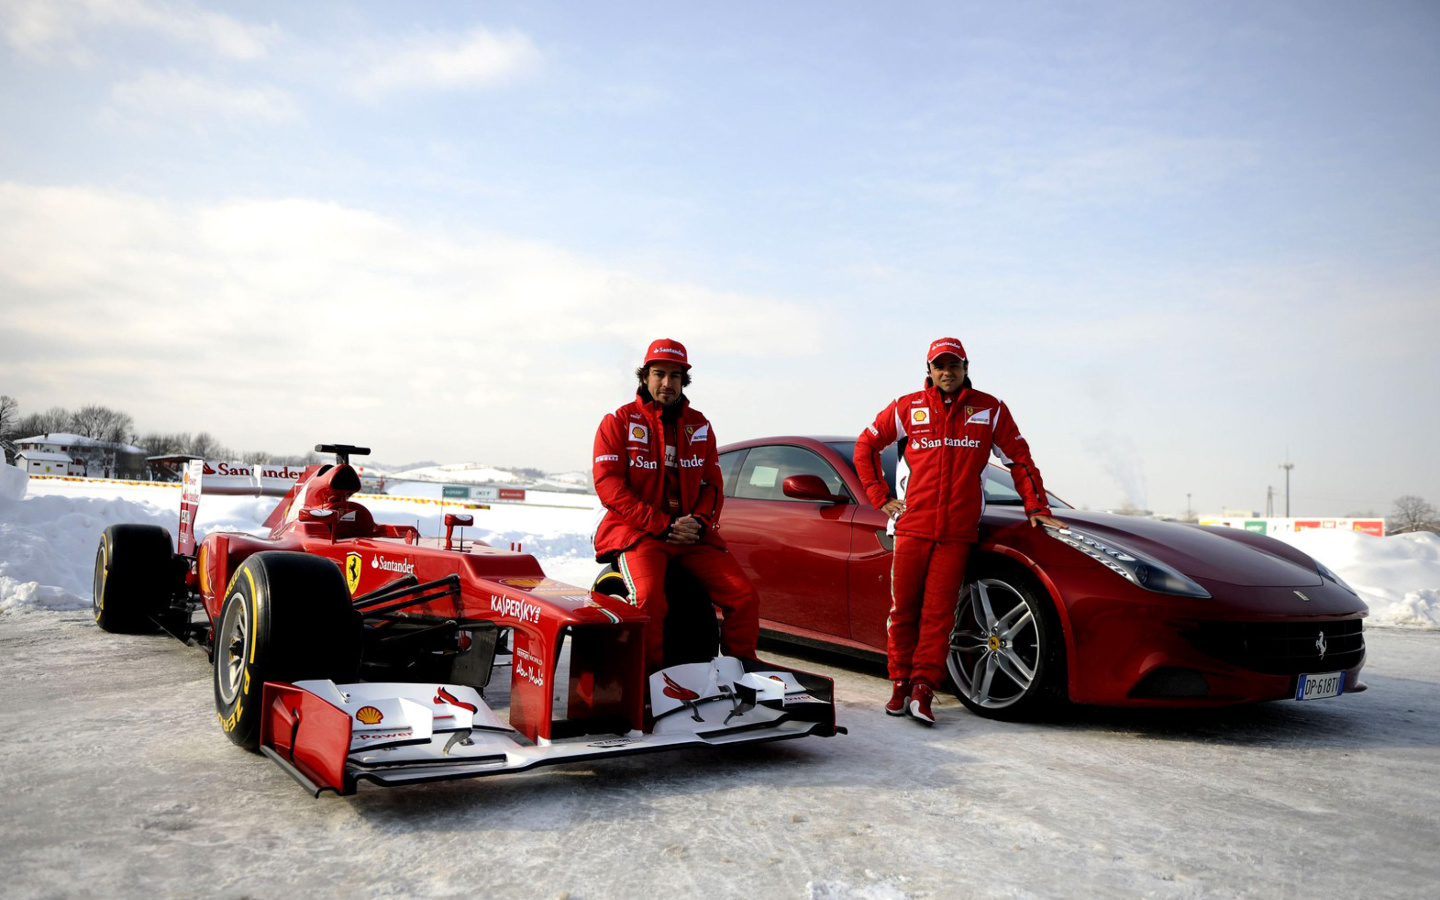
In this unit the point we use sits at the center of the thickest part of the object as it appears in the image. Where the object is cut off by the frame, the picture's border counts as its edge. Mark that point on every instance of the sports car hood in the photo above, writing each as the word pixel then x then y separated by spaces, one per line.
pixel 1203 553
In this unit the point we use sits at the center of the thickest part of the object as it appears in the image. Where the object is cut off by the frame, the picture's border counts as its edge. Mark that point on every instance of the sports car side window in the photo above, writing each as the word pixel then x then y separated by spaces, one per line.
pixel 729 465
pixel 763 474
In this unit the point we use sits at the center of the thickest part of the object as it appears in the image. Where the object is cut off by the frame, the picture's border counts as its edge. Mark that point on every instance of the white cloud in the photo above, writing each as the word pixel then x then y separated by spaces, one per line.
pixel 269 322
pixel 68 29
pixel 191 99
pixel 479 58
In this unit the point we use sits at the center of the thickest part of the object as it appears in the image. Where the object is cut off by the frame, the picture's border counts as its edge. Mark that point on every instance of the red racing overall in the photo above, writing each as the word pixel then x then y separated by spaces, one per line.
pixel 654 464
pixel 946 441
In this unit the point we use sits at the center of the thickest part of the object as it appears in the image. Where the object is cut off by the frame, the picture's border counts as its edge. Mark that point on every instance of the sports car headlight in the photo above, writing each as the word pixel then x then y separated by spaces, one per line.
pixel 1133 567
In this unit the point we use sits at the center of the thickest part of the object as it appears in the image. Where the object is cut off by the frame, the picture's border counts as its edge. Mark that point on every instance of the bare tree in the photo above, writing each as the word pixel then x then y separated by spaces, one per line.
pixel 102 423
pixel 205 445
pixel 56 419
pixel 9 413
pixel 109 426
pixel 157 444
pixel 9 417
pixel 1412 513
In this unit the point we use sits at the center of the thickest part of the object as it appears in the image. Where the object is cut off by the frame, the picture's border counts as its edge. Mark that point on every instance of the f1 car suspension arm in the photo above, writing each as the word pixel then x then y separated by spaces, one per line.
pixel 405 594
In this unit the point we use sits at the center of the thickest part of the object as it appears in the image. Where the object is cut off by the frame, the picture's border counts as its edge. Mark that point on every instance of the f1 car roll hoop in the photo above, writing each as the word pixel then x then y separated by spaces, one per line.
pixel 348 650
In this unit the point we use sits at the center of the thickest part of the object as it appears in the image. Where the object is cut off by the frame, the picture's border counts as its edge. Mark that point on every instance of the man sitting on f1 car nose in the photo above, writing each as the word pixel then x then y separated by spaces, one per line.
pixel 658 475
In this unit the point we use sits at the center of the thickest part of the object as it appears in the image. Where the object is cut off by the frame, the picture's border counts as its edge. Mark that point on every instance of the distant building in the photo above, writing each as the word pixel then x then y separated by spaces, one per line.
pixel 45 462
pixel 59 453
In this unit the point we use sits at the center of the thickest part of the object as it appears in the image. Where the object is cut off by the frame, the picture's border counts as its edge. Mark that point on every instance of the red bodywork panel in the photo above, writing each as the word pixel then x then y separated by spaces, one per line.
pixel 500 586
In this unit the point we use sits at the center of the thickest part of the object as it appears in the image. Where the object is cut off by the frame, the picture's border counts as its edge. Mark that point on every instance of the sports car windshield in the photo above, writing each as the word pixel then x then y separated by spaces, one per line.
pixel 999 489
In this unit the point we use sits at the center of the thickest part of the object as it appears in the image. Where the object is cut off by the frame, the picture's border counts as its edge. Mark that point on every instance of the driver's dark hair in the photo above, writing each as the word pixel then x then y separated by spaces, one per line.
pixel 643 373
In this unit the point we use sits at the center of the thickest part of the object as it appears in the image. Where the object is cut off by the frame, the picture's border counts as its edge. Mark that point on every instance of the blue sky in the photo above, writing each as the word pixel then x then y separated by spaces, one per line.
pixel 1182 240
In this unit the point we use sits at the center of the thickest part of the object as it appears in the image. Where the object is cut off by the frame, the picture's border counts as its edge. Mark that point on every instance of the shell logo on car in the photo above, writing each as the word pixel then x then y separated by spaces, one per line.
pixel 369 715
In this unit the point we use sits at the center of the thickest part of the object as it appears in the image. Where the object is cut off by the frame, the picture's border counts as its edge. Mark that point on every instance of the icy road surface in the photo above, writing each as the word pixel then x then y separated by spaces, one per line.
pixel 115 781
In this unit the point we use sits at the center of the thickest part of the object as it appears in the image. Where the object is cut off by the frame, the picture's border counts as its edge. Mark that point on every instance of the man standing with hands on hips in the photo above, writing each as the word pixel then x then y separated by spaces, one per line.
pixel 946 433
pixel 658 475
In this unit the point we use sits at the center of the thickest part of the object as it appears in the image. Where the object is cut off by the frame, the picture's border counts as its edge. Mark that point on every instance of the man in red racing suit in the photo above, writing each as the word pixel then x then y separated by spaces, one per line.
pixel 658 476
pixel 946 431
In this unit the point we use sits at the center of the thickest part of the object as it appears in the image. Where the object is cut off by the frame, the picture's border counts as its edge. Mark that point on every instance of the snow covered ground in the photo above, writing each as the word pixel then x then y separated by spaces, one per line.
pixel 115 781
pixel 47 541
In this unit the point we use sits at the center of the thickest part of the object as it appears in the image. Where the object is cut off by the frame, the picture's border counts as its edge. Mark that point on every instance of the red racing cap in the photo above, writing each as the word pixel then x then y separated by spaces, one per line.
pixel 666 350
pixel 944 346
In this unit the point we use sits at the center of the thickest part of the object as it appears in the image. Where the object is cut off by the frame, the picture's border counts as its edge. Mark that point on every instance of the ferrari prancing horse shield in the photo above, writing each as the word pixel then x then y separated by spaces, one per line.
pixel 352 571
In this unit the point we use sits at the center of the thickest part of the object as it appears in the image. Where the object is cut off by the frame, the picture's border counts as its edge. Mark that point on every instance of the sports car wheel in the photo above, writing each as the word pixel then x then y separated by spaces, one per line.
pixel 1007 651
pixel 134 578
pixel 286 617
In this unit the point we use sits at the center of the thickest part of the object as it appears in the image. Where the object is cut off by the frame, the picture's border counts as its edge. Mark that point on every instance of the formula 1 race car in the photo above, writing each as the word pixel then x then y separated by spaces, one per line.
pixel 347 650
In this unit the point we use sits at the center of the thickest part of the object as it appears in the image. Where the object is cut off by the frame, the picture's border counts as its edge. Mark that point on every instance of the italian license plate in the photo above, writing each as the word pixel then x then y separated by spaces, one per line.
pixel 1318 687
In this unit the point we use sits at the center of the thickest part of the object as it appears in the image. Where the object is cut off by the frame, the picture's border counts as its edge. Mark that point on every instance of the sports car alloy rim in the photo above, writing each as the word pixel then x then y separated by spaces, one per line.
pixel 995 648
pixel 234 637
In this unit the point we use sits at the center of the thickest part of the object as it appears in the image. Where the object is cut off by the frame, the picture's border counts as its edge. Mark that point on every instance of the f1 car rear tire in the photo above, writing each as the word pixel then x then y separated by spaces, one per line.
pixel 692 633
pixel 134 578
pixel 286 617
pixel 1007 652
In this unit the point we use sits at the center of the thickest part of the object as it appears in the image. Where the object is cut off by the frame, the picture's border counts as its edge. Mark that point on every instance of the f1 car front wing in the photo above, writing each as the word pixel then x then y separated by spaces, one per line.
pixel 329 737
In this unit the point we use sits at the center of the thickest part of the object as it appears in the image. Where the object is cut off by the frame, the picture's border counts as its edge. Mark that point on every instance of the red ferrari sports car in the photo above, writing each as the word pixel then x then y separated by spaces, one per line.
pixel 1113 610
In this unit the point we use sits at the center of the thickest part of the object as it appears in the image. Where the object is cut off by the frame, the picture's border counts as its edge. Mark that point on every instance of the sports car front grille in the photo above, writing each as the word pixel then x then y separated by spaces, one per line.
pixel 1282 648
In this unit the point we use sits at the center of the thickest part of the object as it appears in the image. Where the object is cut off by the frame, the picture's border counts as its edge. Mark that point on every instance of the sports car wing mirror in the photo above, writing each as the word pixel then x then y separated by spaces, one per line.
pixel 810 487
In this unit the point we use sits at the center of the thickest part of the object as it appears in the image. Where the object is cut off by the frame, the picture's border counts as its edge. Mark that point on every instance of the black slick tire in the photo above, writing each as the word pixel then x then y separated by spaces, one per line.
pixel 286 617
pixel 134 578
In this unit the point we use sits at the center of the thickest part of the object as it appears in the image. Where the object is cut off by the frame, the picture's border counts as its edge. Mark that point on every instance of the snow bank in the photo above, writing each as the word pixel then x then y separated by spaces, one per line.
pixel 12 483
pixel 1397 576
pixel 48 537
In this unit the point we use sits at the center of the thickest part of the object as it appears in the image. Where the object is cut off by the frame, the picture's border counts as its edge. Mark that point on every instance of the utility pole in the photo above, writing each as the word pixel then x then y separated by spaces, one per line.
pixel 1189 513
pixel 1287 467
pixel 1269 501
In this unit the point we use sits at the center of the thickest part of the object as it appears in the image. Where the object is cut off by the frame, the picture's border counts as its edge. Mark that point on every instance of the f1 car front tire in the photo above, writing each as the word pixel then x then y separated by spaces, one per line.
pixel 1007 653
pixel 134 578
pixel 286 617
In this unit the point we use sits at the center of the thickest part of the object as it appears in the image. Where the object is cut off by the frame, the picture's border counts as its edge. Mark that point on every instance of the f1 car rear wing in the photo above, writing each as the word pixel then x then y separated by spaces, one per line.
pixel 227 479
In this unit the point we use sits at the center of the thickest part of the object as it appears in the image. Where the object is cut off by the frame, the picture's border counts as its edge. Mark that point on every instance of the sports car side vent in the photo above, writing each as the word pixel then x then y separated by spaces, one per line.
pixel 1282 648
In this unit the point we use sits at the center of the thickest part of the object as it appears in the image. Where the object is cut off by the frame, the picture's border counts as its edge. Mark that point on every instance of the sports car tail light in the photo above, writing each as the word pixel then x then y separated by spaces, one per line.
pixel 1282 648
pixel 1133 567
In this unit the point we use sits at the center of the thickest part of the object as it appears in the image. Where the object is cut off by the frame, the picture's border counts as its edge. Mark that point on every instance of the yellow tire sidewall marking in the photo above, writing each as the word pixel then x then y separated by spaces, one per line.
pixel 104 575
